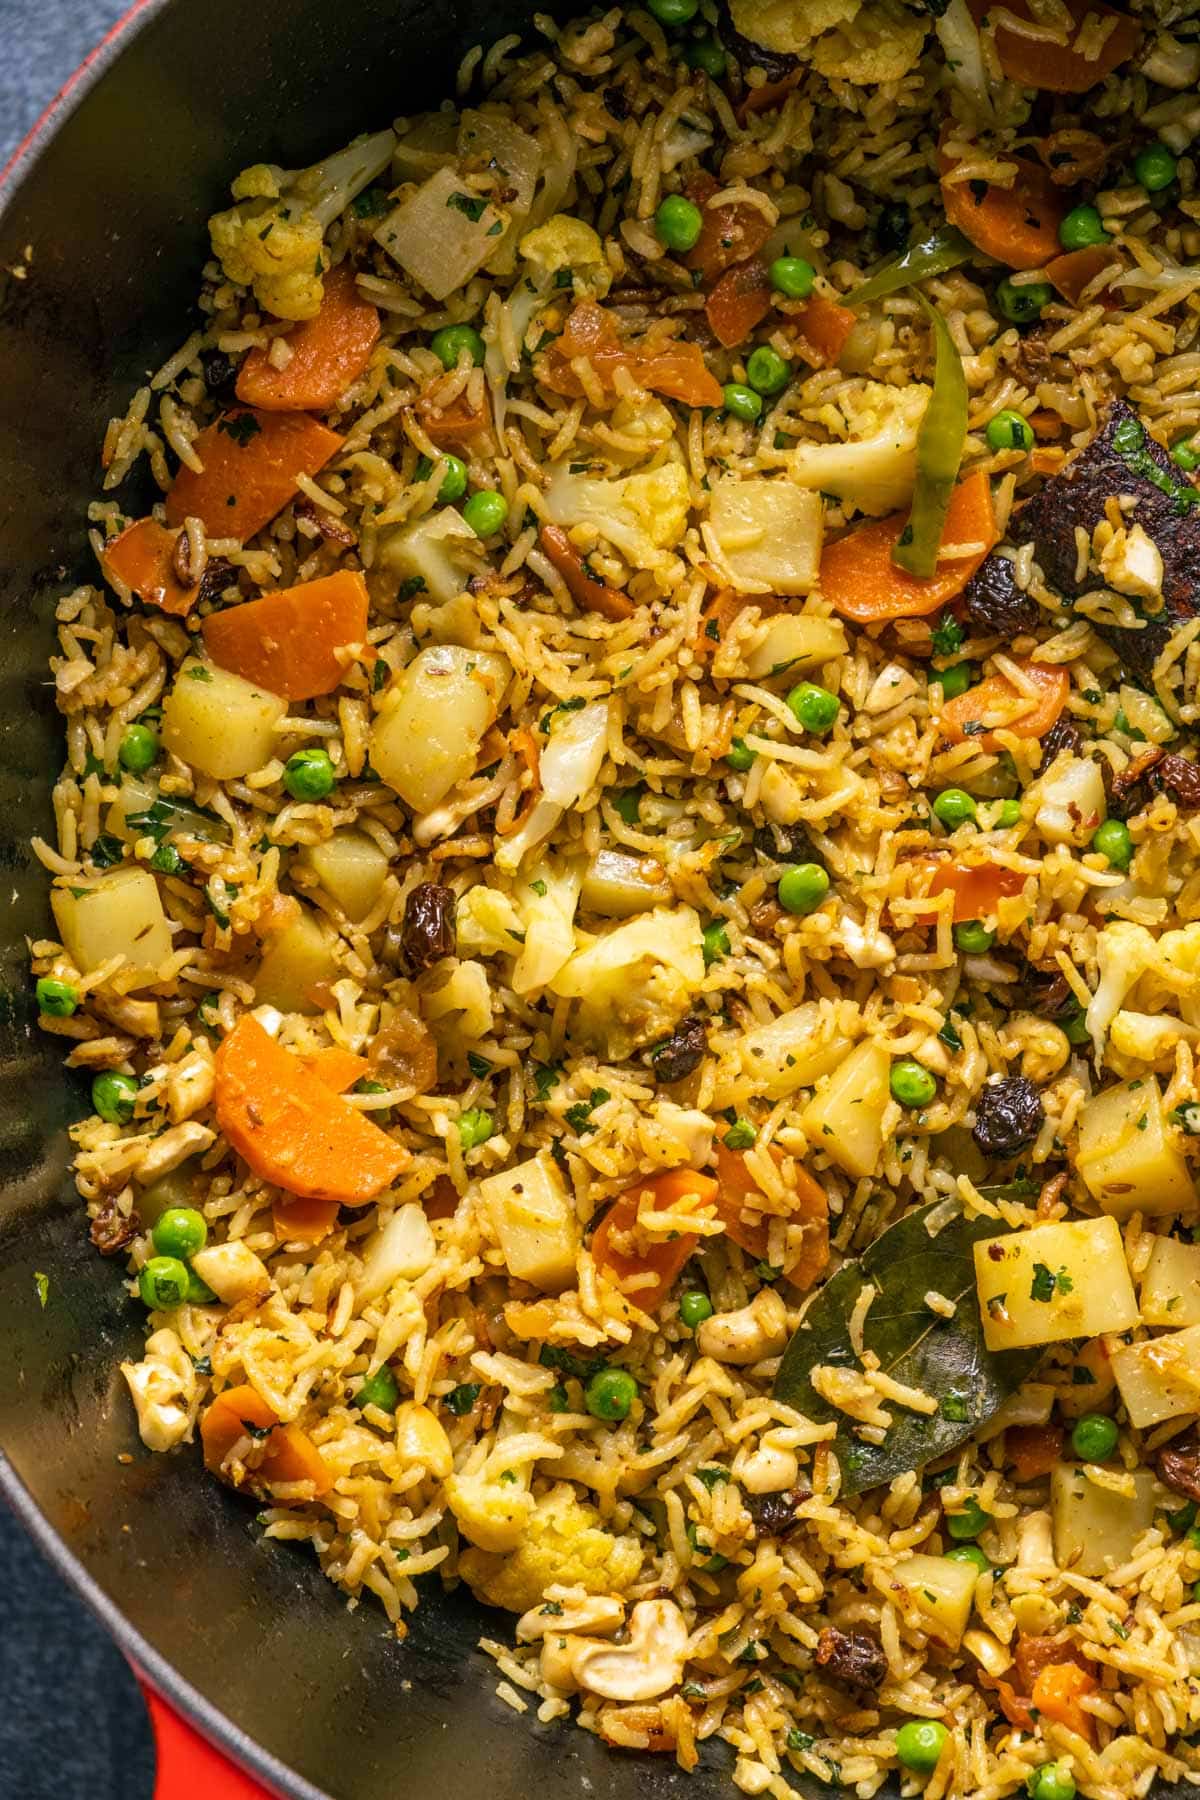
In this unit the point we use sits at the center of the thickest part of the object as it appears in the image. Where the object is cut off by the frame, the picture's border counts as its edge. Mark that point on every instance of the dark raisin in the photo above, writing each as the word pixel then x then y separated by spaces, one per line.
pixel 220 375
pixel 788 844
pixel 682 1053
pixel 1008 1115
pixel 855 1657
pixel 1179 777
pixel 1044 992
pixel 893 226
pixel 324 522
pixel 775 1515
pixel 111 1229
pixel 616 102
pixel 775 64
pixel 1064 734
pixel 428 930
pixel 1179 1466
pixel 1130 791
pixel 218 575
pixel 996 604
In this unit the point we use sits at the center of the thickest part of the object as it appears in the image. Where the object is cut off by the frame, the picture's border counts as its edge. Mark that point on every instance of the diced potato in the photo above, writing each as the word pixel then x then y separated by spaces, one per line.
pixel 940 1590
pixel 765 535
pixel 232 1271
pixel 1159 1378
pixel 401 1251
pixel 617 885
pixel 294 961
pixel 220 724
pixel 1126 1156
pixel 533 1216
pixel 351 868
pixel 795 642
pixel 433 551
pixel 1054 1282
pixel 440 235
pixel 1095 1529
pixel 1171 1285
pixel 845 1116
pixel 789 1052
pixel 138 794
pixel 1070 801
pixel 119 915
pixel 435 715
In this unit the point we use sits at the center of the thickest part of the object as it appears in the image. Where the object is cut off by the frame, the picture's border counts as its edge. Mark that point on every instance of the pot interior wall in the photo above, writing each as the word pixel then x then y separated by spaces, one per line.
pixel 112 214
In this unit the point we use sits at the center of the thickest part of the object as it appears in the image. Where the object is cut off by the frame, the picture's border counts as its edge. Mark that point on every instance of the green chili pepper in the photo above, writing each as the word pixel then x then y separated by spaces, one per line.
pixel 943 249
pixel 940 444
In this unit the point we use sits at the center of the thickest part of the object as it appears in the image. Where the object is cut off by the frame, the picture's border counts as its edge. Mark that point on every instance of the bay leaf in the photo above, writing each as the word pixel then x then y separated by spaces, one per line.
pixel 944 1357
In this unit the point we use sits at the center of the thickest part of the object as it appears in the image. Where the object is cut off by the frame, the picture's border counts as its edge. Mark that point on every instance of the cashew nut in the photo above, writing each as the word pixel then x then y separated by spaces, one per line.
pixel 173 1147
pixel 564 1610
pixel 164 1390
pixel 768 1470
pixel 1042 1046
pixel 190 1084
pixel 421 1439
pixel 648 1665
pixel 748 1335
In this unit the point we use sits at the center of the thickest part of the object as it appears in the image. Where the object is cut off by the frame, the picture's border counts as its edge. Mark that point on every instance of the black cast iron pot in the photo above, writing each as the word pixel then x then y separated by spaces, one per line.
pixel 245 1638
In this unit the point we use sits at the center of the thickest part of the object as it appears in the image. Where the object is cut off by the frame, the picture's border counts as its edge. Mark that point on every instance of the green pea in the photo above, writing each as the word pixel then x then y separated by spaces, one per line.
pixel 955 680
pixel 969 1553
pixel 678 222
pixel 1094 1438
pixel 137 749
pixel 954 807
pixel 1185 455
pixel 792 277
pixel 969 1522
pixel 1008 815
pixel 163 1283
pixel 380 1389
pixel 1082 228
pixel 610 1394
pixel 739 757
pixel 1022 303
pixel 694 1308
pixel 706 54
pixel 1155 168
pixel 741 402
pixel 449 343
pixel 1050 1782
pixel 802 888
pixel 180 1231
pixel 673 12
pixel 972 937
pixel 474 1127
pixel 308 775
pixel 57 999
pixel 813 707
pixel 113 1097
pixel 1009 430
pixel 714 942
pixel 485 512
pixel 766 371
pixel 454 481
pixel 1113 841
pixel 911 1082
pixel 919 1744
pixel 740 1136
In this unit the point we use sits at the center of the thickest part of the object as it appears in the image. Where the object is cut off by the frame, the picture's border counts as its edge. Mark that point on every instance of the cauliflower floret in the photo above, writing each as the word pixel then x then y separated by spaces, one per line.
pixel 1149 1037
pixel 1124 952
pixel 273 239
pixel 782 25
pixel 563 1542
pixel 487 922
pixel 874 468
pixel 165 1391
pixel 567 243
pixel 882 42
pixel 636 982
pixel 643 516
pixel 568 767
pixel 491 1512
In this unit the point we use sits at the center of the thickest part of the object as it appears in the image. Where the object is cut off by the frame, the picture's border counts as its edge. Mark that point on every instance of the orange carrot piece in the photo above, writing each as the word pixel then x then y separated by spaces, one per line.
pixel 303 1221
pixel 287 642
pixel 1052 685
pixel 586 589
pixel 1060 68
pixel 860 580
pixel 1018 225
pixel 143 558
pixel 1057 1693
pixel 740 301
pixel 335 1068
pixel 458 426
pixel 736 1192
pixel 289 1454
pixel 677 370
pixel 252 462
pixel 328 353
pixel 728 234
pixel 824 328
pixel 622 1252
pixel 977 890
pixel 524 745
pixel 721 613
pixel 1077 269
pixel 291 1130
pixel 1033 1450
pixel 768 96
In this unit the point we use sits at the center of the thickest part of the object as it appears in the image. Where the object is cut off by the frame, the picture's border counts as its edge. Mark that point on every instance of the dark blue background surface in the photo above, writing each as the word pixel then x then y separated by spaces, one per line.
pixel 72 1726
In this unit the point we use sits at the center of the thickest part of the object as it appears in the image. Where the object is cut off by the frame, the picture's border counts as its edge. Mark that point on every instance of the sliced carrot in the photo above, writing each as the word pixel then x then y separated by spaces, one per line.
pixel 968 715
pixel 1060 68
pixel 291 1130
pixel 289 1454
pixel 1077 269
pixel 458 426
pixel 328 352
pixel 287 642
pixel 1057 1693
pixel 585 588
pixel 740 300
pixel 1013 1706
pixel 143 558
pixel 767 97
pixel 824 328
pixel 978 889
pixel 675 369
pixel 679 373
pixel 622 1251
pixel 252 463
pixel 728 234
pixel 1018 225
pixel 1033 1450
pixel 335 1068
pixel 738 1191
pixel 303 1221
pixel 1033 1654
pixel 860 580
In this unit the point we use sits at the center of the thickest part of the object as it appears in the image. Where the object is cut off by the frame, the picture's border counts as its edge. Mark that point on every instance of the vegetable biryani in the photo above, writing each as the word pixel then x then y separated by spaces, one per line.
pixel 628 880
